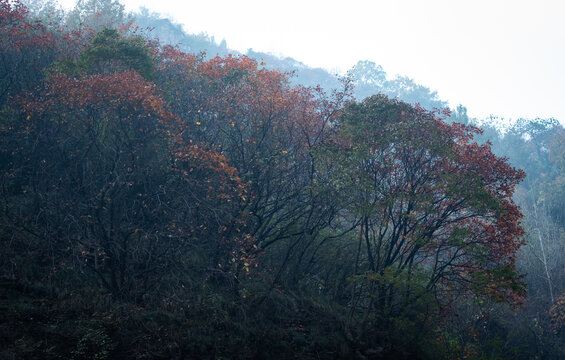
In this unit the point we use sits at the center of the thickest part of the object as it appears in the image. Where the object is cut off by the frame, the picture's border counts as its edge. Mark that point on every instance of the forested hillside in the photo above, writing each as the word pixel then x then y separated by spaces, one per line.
pixel 162 202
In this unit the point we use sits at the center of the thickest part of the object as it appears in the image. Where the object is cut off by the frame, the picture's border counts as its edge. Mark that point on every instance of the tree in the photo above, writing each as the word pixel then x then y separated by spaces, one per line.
pixel 368 78
pixel 433 210
pixel 109 52
pixel 99 189
pixel 406 89
pixel 27 48
pixel 555 194
pixel 48 11
pixel 266 129
pixel 97 15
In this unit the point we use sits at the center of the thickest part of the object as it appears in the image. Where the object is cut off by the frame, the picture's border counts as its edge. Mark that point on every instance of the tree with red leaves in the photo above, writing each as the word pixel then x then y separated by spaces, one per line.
pixel 27 48
pixel 433 209
pixel 267 130
pixel 99 184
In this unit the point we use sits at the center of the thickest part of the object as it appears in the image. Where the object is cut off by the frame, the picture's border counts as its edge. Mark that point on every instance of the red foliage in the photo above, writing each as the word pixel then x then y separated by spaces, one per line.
pixel 121 90
pixel 29 47
pixel 557 314
pixel 105 151
pixel 433 199
pixel 262 125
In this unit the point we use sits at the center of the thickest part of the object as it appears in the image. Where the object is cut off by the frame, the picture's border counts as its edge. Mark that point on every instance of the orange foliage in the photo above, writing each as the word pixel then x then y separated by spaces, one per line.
pixel 557 314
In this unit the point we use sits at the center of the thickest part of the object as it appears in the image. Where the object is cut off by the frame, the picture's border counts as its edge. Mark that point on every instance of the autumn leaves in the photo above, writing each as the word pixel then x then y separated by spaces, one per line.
pixel 129 158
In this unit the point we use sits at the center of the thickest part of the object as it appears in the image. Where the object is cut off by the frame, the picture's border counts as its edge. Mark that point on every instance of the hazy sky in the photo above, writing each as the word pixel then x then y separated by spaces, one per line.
pixel 499 57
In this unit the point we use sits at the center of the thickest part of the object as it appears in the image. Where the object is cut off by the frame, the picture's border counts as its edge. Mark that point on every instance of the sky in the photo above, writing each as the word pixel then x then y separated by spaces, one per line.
pixel 496 57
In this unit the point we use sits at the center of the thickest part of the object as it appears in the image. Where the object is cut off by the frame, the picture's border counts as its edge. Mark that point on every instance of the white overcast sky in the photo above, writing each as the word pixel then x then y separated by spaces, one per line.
pixel 499 57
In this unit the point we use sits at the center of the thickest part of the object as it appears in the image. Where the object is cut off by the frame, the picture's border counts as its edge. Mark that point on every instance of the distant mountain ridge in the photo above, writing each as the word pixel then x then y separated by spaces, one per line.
pixel 368 77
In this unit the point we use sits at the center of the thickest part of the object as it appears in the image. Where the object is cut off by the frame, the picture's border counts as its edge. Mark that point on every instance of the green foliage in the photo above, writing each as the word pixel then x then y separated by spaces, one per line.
pixel 490 282
pixel 110 52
